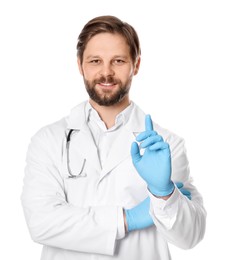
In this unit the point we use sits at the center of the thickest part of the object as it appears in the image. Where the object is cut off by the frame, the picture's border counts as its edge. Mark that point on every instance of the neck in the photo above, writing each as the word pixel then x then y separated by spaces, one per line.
pixel 108 113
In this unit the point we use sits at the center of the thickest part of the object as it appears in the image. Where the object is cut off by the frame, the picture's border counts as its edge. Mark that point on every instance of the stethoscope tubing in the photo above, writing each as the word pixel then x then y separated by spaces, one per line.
pixel 71 175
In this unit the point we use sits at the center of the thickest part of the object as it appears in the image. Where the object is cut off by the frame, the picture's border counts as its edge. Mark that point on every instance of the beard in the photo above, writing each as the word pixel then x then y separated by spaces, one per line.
pixel 107 97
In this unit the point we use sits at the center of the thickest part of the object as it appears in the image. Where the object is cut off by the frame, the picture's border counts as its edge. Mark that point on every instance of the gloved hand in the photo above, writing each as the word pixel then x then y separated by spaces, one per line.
pixel 139 216
pixel 154 166
pixel 184 191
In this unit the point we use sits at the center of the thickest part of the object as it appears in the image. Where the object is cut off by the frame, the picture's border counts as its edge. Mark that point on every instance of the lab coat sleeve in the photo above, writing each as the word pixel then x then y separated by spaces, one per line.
pixel 51 219
pixel 181 221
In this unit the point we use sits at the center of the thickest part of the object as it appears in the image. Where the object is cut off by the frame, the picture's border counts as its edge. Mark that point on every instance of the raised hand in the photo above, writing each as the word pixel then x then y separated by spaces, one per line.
pixel 154 165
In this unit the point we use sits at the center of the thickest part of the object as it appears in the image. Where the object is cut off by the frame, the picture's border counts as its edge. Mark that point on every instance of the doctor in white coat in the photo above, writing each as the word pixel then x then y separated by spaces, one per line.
pixel 104 182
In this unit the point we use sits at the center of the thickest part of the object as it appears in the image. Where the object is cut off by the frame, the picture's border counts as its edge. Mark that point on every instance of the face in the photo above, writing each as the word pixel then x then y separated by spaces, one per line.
pixel 107 69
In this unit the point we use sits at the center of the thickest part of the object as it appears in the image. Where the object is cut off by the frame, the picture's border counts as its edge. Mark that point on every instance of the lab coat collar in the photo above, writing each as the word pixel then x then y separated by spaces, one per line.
pixel 136 122
pixel 121 118
pixel 79 116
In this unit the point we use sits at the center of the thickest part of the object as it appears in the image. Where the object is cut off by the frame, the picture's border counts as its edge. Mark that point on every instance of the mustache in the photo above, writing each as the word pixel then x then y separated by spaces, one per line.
pixel 107 80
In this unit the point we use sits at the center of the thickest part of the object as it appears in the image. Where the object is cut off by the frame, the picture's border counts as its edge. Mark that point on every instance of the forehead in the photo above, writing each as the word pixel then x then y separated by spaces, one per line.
pixel 107 44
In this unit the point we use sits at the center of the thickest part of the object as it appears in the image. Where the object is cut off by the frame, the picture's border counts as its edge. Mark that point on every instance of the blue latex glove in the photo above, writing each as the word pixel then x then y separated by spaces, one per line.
pixel 154 166
pixel 184 191
pixel 139 217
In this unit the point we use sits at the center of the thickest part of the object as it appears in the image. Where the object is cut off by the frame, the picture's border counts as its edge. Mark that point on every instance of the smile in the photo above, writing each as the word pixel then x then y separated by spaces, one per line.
pixel 107 84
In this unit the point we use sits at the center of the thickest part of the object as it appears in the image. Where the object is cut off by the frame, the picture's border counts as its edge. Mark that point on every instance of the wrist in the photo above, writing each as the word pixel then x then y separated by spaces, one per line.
pixel 164 193
pixel 164 197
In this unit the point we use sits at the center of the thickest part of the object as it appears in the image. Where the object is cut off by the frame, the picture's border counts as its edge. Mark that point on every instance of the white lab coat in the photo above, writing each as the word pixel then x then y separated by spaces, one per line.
pixel 82 218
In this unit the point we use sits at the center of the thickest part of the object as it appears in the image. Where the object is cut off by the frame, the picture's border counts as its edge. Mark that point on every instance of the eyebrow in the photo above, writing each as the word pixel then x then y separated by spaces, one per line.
pixel 92 57
pixel 120 56
pixel 98 57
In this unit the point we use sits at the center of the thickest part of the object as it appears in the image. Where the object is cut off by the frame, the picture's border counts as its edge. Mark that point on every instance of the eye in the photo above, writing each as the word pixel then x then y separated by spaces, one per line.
pixel 95 61
pixel 118 61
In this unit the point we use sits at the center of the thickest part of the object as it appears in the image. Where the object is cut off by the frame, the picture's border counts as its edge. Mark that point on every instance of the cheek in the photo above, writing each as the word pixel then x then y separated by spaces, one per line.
pixel 129 75
pixel 125 74
pixel 89 74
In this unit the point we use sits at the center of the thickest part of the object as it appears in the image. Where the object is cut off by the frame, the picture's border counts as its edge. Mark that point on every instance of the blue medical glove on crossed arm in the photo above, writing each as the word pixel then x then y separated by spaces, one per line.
pixel 183 190
pixel 154 165
pixel 139 217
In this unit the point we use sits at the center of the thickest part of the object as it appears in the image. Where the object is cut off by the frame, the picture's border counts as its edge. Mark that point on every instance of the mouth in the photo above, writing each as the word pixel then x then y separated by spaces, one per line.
pixel 107 85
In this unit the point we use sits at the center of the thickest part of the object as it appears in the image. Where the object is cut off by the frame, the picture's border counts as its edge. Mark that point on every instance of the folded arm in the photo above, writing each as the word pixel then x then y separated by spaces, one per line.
pixel 52 220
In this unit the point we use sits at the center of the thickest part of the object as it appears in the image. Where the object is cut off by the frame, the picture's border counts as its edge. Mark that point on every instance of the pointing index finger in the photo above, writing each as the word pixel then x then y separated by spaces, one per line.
pixel 148 123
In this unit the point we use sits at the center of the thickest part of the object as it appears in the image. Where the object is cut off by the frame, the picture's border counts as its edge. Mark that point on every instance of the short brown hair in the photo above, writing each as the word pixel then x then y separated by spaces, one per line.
pixel 110 24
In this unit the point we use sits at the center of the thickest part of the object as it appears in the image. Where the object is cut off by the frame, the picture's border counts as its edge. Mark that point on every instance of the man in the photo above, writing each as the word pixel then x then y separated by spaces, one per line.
pixel 104 183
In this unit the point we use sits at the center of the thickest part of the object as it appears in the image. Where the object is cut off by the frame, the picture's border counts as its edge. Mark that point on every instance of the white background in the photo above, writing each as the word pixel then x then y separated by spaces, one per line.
pixel 181 83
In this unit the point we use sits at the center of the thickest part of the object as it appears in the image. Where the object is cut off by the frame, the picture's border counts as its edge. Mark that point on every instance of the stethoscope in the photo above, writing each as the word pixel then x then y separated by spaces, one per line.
pixel 71 174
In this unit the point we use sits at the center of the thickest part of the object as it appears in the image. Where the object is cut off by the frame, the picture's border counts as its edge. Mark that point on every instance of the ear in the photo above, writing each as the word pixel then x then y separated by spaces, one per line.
pixel 80 66
pixel 137 65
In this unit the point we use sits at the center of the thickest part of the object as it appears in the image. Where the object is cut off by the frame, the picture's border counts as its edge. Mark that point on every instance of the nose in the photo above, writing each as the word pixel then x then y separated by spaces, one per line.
pixel 107 70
